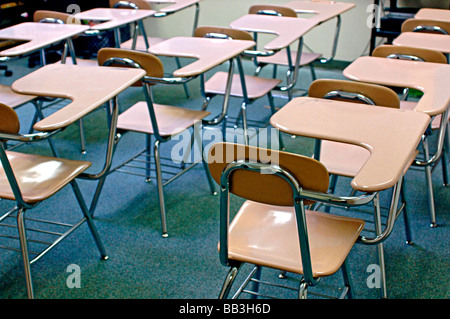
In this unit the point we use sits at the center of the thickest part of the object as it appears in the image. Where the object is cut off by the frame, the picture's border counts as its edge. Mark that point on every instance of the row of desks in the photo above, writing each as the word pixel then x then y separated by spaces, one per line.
pixel 429 78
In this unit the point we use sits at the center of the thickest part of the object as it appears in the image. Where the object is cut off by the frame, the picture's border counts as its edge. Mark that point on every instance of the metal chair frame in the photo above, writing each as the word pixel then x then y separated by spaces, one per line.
pixel 398 192
pixel 18 212
pixel 246 100
pixel 429 162
pixel 163 177
pixel 299 195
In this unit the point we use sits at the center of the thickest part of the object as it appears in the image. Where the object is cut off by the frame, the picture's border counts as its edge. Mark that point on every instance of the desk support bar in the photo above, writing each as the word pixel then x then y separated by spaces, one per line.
pixel 393 214
pixel 112 142
pixel 440 144
pixel 218 119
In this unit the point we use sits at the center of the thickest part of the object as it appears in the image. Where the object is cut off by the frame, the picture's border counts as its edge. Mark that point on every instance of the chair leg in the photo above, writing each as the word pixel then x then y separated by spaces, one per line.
pixel 313 71
pixel 197 136
pixel 159 181
pixel 82 138
pixel 255 284
pixel 89 220
pixel 186 89
pixel 429 182
pixel 148 150
pixel 380 246
pixel 408 233
pixel 303 290
pixel 444 158
pixel 347 279
pixel 244 122
pixel 333 181
pixel 229 280
pixel 273 110
pixel 24 248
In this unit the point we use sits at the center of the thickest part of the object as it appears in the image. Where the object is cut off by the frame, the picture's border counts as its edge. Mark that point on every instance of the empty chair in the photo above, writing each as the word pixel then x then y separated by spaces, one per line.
pixel 422 55
pixel 287 57
pixel 273 228
pixel 27 180
pixel 343 159
pixel 161 122
pixel 247 87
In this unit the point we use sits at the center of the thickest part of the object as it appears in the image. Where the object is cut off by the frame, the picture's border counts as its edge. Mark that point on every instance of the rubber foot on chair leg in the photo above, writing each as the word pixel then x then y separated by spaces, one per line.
pixel 409 242
pixel 165 235
pixel 106 257
pixel 433 225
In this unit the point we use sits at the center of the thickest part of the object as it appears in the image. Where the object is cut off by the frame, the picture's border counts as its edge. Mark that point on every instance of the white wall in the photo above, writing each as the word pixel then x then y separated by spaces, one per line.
pixel 353 41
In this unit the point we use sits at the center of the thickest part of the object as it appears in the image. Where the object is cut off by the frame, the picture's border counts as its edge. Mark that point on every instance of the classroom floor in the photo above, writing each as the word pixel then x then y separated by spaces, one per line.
pixel 143 265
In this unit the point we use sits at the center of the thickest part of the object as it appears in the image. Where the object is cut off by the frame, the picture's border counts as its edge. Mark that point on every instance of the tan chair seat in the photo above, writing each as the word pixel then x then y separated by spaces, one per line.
pixel 140 43
pixel 256 86
pixel 281 58
pixel 267 235
pixel 39 177
pixel 12 99
pixel 172 120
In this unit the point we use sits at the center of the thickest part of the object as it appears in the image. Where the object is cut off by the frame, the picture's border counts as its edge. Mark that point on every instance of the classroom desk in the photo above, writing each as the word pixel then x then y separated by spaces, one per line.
pixel 88 88
pixel 365 126
pixel 143 42
pixel 321 10
pixel 430 78
pixel 433 14
pixel 368 127
pixel 207 54
pixel 33 36
pixel 286 30
pixel 113 19
pixel 361 125
pixel 174 5
pixel 437 42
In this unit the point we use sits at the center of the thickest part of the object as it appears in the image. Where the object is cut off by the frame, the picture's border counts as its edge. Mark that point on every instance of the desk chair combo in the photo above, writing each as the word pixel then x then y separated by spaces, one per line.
pixel 288 58
pixel 274 228
pixel 429 162
pixel 345 159
pixel 247 87
pixel 140 40
pixel 161 122
pixel 27 180
pixel 45 16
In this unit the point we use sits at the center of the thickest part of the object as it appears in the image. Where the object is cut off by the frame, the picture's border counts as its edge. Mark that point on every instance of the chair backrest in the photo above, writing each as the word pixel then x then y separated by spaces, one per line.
pixel 272 10
pixel 130 4
pixel 217 32
pixel 266 188
pixel 131 58
pixel 52 16
pixel 357 92
pixel 409 53
pixel 425 25
pixel 9 121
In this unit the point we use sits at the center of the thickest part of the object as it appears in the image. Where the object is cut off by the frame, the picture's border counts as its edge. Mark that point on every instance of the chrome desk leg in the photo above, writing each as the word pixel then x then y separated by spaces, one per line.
pixel 24 249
